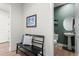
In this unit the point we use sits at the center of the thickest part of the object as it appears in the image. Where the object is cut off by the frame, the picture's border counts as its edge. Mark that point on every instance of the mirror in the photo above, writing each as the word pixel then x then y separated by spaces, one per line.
pixel 68 24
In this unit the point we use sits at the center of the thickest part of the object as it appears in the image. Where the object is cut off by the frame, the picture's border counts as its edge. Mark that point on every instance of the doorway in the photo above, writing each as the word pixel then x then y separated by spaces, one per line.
pixel 4 28
pixel 64 31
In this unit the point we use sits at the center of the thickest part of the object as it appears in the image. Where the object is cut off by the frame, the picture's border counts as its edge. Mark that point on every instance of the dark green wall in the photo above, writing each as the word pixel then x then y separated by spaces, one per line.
pixel 60 13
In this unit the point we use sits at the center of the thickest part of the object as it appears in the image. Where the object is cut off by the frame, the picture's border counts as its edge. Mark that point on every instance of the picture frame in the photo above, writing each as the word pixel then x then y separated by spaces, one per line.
pixel 31 21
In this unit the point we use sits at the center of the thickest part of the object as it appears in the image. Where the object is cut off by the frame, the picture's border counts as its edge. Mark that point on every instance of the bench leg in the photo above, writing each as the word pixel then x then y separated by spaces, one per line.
pixel 16 49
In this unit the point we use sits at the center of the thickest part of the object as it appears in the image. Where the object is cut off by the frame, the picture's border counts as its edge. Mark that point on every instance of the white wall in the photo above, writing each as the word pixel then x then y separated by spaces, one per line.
pixel 4 26
pixel 5 7
pixel 16 25
pixel 44 23
pixel 77 28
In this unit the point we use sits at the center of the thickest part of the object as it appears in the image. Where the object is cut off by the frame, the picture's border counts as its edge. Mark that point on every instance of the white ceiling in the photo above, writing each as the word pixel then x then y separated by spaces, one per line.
pixel 6 6
pixel 58 4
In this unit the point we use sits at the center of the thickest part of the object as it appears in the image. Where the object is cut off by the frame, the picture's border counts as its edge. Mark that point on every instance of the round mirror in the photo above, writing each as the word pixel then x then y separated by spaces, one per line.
pixel 68 24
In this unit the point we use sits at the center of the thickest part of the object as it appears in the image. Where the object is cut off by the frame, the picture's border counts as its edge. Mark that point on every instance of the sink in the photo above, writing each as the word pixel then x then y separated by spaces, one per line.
pixel 69 34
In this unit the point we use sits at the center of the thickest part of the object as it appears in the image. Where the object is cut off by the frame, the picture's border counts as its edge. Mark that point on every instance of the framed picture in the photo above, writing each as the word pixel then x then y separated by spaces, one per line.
pixel 31 21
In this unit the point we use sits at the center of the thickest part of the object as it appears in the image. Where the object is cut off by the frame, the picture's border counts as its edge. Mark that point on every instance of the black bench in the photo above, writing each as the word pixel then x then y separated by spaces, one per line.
pixel 36 47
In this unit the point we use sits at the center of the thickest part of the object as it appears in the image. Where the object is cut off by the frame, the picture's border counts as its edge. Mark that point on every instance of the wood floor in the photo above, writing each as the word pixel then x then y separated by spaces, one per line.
pixel 59 51
pixel 4 50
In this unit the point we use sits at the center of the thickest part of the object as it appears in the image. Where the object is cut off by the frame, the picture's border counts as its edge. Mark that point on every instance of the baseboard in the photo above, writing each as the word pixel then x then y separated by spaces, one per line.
pixel 60 44
pixel 4 42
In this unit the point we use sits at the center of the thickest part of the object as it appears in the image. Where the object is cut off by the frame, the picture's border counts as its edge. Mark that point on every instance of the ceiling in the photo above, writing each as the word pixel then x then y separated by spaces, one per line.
pixel 6 6
pixel 58 4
